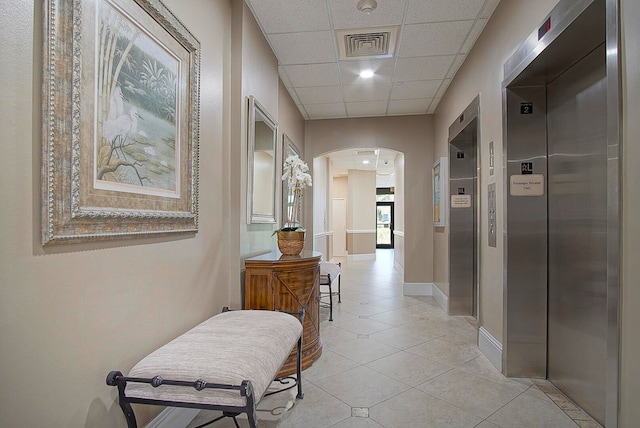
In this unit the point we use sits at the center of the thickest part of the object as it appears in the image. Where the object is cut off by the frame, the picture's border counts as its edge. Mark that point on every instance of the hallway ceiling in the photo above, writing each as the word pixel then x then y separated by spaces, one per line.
pixel 380 160
pixel 433 40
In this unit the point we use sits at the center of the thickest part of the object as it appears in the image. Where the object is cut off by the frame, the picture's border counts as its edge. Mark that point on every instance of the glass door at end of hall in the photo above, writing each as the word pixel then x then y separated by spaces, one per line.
pixel 384 225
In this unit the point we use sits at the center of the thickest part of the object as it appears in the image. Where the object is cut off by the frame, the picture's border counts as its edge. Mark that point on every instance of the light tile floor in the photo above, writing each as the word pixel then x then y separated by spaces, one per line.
pixel 397 361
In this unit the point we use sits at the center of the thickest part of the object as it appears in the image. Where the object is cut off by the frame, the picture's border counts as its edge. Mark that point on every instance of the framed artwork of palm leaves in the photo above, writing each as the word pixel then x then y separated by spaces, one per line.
pixel 120 121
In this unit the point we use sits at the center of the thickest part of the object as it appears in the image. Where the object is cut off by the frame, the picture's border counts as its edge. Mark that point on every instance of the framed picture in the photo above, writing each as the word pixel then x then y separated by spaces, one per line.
pixel 439 178
pixel 120 121
pixel 288 149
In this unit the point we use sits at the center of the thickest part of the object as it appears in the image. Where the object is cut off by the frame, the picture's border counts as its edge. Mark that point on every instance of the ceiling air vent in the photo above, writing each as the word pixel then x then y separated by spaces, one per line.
pixel 367 43
pixel 366 152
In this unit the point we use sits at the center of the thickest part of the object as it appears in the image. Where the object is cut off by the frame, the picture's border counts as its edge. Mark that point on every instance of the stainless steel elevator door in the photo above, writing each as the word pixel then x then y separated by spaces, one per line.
pixel 577 180
pixel 463 222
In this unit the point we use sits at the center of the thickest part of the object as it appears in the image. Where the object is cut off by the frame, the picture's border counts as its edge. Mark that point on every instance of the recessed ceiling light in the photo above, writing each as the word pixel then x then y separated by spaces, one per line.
pixel 366 162
pixel 366 74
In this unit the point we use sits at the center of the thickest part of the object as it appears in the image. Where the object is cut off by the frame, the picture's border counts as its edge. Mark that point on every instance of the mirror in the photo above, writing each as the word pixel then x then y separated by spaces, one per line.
pixel 261 184
pixel 288 149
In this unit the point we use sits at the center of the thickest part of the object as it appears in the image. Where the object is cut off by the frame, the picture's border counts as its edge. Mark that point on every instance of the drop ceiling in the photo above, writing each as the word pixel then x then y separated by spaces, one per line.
pixel 381 161
pixel 307 36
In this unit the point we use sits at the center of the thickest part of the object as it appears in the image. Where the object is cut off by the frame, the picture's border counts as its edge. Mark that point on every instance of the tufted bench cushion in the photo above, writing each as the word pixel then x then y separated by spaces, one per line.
pixel 228 348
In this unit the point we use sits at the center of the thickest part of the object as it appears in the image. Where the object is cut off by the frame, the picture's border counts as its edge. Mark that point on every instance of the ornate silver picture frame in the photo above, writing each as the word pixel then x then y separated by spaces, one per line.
pixel 120 121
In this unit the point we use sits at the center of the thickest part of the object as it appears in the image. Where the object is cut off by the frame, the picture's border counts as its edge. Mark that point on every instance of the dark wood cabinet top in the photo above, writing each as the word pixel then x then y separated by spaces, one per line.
pixel 277 256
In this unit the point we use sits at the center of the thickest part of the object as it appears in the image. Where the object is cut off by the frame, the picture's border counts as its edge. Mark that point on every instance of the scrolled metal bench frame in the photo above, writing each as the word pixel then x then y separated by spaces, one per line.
pixel 245 389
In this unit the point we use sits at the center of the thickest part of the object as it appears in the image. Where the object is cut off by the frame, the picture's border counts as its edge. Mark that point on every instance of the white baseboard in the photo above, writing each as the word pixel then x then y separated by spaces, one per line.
pixel 173 417
pixel 417 289
pixel 361 257
pixel 490 347
pixel 397 266
pixel 441 298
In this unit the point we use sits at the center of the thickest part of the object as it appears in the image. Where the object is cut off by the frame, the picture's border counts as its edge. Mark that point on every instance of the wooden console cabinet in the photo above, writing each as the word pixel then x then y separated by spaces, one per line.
pixel 288 283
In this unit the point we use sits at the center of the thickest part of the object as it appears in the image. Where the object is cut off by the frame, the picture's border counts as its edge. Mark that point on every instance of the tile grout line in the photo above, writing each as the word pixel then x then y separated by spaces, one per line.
pixel 553 393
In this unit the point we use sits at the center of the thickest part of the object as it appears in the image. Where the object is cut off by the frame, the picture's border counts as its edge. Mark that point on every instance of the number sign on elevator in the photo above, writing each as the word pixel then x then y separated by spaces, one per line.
pixel 526 108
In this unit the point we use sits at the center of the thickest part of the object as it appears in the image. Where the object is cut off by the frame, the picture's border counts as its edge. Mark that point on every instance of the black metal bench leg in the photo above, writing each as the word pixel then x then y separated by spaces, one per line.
pixel 330 301
pixel 129 415
pixel 339 279
pixel 247 392
pixel 299 368
pixel 114 378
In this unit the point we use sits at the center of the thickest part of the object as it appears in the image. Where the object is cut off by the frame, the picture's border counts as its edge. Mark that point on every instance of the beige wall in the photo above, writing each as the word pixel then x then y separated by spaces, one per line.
pixel 322 206
pixel 399 210
pixel 361 212
pixel 361 209
pixel 339 190
pixel 70 314
pixel 411 135
pixel 291 124
pixel 360 244
pixel 254 61
pixel 289 120
pixel 340 187
pixel 482 74
pixel 259 76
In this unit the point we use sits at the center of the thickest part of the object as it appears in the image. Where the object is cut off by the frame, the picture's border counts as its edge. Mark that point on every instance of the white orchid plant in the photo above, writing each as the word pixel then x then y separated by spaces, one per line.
pixel 295 173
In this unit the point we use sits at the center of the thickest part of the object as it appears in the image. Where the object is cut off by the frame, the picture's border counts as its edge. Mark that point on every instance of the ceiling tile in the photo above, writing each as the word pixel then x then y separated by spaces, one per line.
pixel 313 74
pixel 436 38
pixel 442 10
pixel 385 180
pixel 423 68
pixel 366 92
pixel 275 15
pixel 415 89
pixel 304 48
pixel 382 68
pixel 345 14
pixel 320 94
pixel 362 109
pixel 326 111
pixel 399 107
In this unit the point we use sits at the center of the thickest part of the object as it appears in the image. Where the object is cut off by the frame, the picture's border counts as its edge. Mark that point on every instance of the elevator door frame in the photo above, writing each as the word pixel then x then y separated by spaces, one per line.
pixel 462 300
pixel 524 341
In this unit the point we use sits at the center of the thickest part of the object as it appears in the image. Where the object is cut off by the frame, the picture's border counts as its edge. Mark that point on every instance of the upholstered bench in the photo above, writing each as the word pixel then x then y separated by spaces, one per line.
pixel 226 363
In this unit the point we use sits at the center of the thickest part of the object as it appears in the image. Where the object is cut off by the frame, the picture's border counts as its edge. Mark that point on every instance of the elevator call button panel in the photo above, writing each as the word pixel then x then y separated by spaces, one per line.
pixel 492 215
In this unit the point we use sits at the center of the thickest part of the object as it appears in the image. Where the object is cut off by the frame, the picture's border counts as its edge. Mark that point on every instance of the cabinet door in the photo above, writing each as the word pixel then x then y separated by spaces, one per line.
pixel 259 289
pixel 298 289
